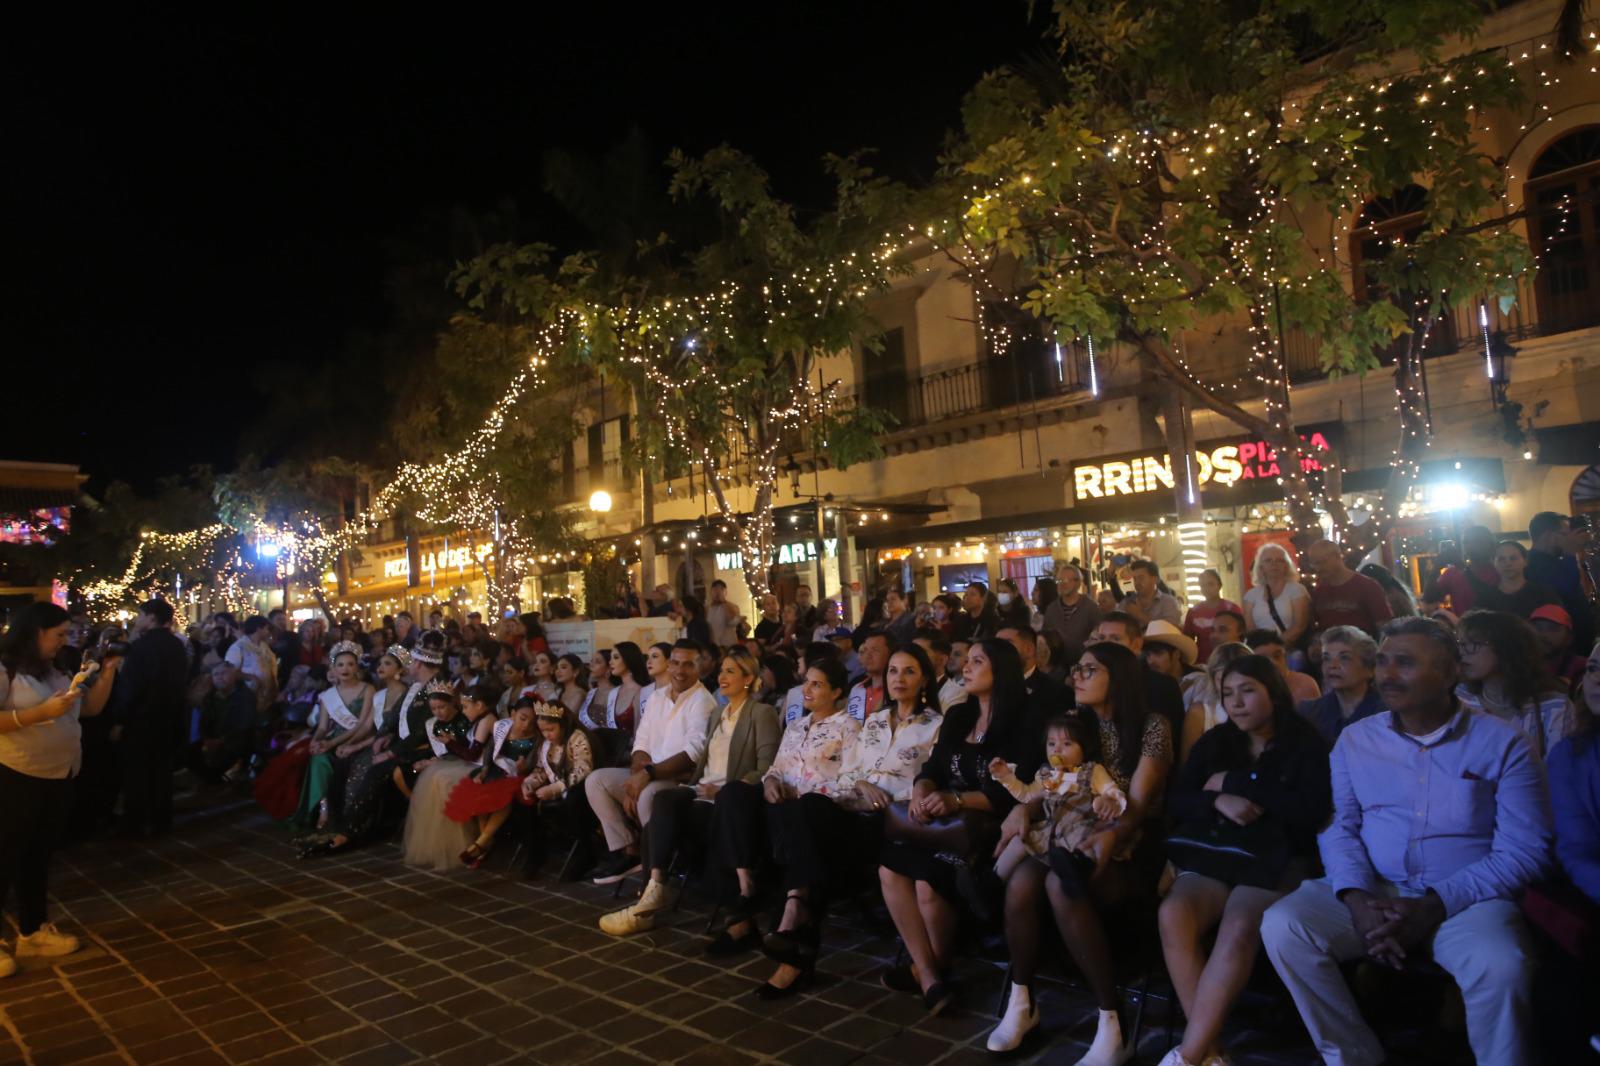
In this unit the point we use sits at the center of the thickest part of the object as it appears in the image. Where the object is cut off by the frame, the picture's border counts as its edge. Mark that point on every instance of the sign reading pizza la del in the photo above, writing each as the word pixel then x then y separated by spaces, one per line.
pixel 1217 463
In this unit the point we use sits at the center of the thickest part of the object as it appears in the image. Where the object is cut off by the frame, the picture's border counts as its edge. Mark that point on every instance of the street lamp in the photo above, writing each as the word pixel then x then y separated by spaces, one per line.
pixel 1501 353
pixel 600 501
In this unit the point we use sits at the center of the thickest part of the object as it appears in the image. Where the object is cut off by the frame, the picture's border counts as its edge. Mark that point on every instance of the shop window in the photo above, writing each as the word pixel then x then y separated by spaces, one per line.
pixel 886 380
pixel 1383 230
pixel 1563 194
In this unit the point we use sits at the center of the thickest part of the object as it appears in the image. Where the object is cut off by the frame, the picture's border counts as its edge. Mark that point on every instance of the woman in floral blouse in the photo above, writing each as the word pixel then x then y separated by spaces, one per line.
pixel 809 760
pixel 814 832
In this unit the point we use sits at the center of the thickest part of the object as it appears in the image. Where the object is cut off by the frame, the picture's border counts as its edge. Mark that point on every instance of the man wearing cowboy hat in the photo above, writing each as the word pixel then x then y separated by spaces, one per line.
pixel 1168 650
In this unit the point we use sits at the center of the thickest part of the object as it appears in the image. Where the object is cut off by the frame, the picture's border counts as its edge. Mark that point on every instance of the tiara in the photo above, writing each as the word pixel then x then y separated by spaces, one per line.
pixel 440 687
pixel 344 647
pixel 550 712
pixel 433 656
pixel 399 654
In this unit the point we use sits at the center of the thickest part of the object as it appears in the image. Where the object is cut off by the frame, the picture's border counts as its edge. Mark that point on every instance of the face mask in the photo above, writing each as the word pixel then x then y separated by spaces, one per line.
pixel 1058 761
pixel 1004 598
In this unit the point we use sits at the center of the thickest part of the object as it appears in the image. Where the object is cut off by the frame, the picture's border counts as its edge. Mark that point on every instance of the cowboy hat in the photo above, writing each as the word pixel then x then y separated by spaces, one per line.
pixel 1164 632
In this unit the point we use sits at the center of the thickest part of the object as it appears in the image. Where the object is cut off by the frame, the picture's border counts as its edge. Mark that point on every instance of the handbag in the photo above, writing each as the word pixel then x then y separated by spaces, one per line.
pixel 962 834
pixel 1220 848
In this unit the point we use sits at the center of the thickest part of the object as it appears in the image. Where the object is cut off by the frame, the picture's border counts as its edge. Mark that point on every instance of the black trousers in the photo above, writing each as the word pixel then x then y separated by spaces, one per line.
pixel 823 847
pixel 34 812
pixel 147 758
pixel 738 834
pixel 678 822
pixel 570 815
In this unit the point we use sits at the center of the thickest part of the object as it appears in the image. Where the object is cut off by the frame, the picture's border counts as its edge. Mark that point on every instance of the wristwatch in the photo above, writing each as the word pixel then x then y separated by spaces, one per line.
pixel 650 770
pixel 957 795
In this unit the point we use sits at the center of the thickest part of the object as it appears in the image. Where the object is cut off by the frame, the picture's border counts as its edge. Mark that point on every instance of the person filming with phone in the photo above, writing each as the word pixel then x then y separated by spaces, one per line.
pixel 40 753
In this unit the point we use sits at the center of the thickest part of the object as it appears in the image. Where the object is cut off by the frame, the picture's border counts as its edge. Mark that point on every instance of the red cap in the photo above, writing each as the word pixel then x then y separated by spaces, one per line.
pixel 1551 613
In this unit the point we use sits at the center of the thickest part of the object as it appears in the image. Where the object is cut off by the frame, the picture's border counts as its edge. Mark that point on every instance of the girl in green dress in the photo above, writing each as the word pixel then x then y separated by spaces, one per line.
pixel 344 714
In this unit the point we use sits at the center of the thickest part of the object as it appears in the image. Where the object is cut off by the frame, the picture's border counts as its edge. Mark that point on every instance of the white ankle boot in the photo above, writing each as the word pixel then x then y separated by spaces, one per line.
pixel 1021 1018
pixel 1108 1048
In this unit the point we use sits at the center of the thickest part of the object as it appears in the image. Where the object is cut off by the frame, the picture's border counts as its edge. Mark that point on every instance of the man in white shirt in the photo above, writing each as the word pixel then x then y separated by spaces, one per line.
pixel 251 654
pixel 721 616
pixel 951 691
pixel 868 694
pixel 666 747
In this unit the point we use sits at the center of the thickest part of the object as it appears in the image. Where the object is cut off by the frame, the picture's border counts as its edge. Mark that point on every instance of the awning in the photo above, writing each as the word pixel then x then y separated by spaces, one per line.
pixel 21 501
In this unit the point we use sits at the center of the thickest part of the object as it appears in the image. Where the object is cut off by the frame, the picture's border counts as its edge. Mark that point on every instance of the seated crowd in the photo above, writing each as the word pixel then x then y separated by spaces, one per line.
pixel 1321 776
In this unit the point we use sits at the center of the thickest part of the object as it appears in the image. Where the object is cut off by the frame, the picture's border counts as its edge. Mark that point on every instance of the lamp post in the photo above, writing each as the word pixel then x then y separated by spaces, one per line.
pixel 1500 352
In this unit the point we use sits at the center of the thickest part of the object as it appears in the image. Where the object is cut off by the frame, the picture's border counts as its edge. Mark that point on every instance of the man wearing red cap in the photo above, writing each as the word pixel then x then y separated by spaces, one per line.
pixel 1554 626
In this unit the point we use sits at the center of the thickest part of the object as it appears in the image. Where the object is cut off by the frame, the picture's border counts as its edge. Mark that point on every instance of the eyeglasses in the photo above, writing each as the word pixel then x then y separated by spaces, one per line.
pixel 1083 672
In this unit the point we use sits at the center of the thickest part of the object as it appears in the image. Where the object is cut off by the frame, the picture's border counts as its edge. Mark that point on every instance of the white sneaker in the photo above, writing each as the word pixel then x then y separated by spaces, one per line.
pixel 1021 1018
pixel 1175 1058
pixel 637 917
pixel 46 942
pixel 8 965
pixel 1108 1048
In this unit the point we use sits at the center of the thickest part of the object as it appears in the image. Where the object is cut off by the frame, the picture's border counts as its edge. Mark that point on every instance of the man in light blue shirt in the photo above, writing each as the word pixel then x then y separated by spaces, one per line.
pixel 1440 817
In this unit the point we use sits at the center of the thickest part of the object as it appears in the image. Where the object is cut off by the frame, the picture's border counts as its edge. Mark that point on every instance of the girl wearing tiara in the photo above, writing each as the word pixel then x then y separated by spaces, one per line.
pixel 456 738
pixel 485 796
pixel 370 768
pixel 344 712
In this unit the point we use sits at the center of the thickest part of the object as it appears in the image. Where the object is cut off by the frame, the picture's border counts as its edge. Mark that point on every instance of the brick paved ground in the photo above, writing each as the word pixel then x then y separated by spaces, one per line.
pixel 216 946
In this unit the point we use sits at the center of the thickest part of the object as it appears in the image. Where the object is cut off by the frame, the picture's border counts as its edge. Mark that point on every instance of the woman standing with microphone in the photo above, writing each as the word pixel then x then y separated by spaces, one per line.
pixel 40 753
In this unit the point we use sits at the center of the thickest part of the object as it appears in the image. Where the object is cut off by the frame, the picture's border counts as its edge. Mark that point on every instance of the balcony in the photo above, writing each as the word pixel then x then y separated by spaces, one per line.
pixel 987 385
pixel 1458 328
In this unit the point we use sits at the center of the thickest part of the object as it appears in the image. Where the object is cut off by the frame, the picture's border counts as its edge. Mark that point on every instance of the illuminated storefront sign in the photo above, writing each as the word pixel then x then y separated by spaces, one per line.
pixel 444 559
pixel 801 551
pixel 1225 463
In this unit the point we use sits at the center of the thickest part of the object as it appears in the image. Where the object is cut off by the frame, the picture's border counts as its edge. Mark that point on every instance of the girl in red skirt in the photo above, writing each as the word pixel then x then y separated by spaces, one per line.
pixel 488 792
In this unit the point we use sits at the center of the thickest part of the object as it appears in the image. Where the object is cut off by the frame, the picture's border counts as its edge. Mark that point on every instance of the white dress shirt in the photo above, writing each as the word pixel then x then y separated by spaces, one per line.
pixel 675 724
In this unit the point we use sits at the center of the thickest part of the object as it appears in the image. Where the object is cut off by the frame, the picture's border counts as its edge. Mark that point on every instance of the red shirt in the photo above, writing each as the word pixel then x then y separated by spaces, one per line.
pixel 1198 622
pixel 1460 587
pixel 1358 602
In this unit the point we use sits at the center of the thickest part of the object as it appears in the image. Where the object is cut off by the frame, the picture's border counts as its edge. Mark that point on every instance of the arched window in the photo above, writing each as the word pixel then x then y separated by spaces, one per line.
pixel 1383 229
pixel 1563 196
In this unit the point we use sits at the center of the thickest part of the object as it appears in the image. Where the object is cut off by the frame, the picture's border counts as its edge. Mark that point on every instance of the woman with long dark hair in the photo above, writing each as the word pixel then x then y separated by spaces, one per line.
pixel 1248 803
pixel 1135 747
pixel 569 675
pixel 630 674
pixel 1504 673
pixel 40 753
pixel 592 712
pixel 954 797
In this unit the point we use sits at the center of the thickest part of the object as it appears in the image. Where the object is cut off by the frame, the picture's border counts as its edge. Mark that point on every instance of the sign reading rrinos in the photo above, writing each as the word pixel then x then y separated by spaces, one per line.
pixel 1225 463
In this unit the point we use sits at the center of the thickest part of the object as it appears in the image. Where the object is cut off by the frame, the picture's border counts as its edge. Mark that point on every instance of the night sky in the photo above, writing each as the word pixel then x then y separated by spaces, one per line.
pixel 193 203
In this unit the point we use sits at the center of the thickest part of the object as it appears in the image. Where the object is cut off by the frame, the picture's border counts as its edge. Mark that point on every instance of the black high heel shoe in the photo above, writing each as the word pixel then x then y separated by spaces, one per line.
pixel 725 945
pixel 795 947
pixel 771 993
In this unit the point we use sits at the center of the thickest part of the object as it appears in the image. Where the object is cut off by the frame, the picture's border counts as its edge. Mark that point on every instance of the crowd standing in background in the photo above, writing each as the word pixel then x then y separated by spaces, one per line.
pixel 1340 769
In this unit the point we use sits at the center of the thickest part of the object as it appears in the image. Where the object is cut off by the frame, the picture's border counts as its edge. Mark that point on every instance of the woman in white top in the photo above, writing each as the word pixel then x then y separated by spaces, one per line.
pixel 1277 600
pixel 820 832
pixel 40 753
